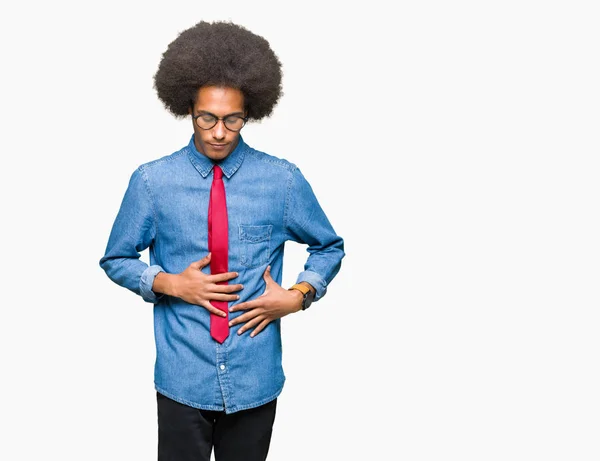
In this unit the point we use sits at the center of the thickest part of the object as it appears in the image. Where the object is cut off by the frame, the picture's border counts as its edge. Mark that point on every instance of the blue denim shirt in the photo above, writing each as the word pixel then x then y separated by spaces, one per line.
pixel 165 209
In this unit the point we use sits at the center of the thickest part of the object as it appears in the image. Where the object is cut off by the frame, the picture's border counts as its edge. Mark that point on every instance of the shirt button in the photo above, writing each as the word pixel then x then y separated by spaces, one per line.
pixel 222 367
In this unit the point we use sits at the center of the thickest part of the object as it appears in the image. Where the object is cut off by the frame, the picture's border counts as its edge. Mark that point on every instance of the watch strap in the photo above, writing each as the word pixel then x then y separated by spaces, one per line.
pixel 301 288
pixel 306 292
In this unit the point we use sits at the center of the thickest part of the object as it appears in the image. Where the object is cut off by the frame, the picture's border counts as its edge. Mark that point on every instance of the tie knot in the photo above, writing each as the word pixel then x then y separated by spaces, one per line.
pixel 217 172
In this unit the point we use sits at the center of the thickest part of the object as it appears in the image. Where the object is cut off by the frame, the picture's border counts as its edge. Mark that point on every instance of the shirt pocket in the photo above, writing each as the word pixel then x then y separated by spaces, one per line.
pixel 255 244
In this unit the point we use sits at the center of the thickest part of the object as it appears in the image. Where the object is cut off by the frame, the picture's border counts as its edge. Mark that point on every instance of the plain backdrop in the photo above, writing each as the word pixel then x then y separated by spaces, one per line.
pixel 454 146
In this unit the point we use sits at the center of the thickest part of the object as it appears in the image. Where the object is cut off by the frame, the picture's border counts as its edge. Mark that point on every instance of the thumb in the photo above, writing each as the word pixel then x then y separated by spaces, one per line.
pixel 267 275
pixel 201 263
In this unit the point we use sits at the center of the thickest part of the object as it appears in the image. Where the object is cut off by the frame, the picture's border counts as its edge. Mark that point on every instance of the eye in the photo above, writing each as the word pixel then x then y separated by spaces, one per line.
pixel 206 118
pixel 234 121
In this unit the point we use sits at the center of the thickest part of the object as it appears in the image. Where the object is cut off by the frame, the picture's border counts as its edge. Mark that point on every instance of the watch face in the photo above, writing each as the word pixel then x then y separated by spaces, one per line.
pixel 308 299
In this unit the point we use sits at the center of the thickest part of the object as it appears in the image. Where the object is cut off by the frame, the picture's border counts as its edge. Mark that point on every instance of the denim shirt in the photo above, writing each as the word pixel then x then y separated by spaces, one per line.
pixel 165 210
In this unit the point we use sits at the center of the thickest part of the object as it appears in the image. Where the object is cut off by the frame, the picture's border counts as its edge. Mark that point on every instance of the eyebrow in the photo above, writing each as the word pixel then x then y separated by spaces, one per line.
pixel 205 112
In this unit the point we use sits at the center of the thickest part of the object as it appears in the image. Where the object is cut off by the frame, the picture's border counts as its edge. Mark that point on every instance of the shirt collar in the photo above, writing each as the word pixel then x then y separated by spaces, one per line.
pixel 229 164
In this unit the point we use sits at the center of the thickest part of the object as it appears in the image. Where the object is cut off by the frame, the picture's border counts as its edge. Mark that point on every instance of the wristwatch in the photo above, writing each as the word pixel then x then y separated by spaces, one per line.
pixel 307 295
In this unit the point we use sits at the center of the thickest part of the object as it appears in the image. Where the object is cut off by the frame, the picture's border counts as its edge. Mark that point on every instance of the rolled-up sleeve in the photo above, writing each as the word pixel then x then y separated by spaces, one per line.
pixel 133 231
pixel 307 223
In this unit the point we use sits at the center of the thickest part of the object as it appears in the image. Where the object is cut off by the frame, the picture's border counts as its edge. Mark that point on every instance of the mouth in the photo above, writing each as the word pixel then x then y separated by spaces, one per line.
pixel 218 146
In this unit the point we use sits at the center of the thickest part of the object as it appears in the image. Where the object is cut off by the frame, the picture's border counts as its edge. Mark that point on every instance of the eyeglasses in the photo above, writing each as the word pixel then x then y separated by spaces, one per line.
pixel 206 121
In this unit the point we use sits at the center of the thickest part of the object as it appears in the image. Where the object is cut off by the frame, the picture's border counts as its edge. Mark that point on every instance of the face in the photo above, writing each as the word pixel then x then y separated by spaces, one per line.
pixel 217 142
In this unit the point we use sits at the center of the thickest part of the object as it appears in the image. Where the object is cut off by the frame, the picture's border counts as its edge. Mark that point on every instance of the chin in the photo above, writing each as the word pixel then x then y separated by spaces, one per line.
pixel 218 155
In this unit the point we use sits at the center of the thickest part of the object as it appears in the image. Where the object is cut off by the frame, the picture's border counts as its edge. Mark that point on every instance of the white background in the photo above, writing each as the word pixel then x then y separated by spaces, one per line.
pixel 454 146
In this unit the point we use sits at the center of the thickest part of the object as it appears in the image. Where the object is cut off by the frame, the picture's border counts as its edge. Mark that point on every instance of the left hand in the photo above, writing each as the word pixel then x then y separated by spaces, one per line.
pixel 274 303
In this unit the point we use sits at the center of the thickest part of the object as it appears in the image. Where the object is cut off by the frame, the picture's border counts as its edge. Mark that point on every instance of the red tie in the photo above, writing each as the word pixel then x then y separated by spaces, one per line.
pixel 217 245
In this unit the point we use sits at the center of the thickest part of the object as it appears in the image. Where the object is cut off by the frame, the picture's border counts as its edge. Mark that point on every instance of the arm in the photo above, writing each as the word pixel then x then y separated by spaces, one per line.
pixel 134 230
pixel 307 223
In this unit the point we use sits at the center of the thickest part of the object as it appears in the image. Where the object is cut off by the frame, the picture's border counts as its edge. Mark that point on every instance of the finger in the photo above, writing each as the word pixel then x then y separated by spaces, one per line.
pixel 223 297
pixel 267 275
pixel 251 324
pixel 246 316
pixel 245 305
pixel 213 310
pixel 201 262
pixel 261 326
pixel 226 288
pixel 224 277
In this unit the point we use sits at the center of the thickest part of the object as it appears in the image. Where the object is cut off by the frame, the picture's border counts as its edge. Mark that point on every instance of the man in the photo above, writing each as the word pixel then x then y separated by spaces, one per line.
pixel 215 216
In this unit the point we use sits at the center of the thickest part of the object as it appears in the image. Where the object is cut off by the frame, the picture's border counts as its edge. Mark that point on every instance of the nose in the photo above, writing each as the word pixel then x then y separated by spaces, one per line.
pixel 219 130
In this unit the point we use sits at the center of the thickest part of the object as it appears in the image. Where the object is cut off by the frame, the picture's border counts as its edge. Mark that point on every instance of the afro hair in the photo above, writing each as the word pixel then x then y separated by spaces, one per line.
pixel 220 53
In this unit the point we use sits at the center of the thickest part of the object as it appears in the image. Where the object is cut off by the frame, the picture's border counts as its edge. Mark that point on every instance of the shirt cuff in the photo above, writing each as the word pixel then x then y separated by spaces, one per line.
pixel 146 282
pixel 316 281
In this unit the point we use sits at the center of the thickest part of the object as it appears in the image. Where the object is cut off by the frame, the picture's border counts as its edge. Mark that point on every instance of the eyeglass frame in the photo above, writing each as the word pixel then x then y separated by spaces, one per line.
pixel 217 119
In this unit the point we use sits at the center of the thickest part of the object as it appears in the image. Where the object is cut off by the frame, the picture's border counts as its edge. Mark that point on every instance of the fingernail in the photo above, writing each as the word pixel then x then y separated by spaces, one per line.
pixel 223 314
pixel 230 324
pixel 237 297
pixel 252 335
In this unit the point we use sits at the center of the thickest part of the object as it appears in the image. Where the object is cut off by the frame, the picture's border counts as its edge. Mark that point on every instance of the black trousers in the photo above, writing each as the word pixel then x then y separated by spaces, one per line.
pixel 189 434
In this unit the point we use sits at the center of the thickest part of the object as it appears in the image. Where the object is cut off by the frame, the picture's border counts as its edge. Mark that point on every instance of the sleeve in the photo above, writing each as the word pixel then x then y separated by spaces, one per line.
pixel 306 223
pixel 133 231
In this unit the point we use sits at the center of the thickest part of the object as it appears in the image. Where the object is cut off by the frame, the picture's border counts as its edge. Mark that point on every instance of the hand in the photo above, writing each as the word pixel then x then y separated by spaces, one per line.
pixel 195 287
pixel 274 303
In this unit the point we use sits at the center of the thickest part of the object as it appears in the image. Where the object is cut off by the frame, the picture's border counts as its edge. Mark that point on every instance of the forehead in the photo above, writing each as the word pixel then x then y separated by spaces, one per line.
pixel 219 100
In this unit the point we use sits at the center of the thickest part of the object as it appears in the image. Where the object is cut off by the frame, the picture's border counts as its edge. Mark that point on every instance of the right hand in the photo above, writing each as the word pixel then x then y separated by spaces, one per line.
pixel 195 287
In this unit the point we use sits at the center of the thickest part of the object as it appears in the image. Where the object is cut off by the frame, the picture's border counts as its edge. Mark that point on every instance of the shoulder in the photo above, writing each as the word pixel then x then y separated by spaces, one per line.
pixel 279 169
pixel 270 161
pixel 160 164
